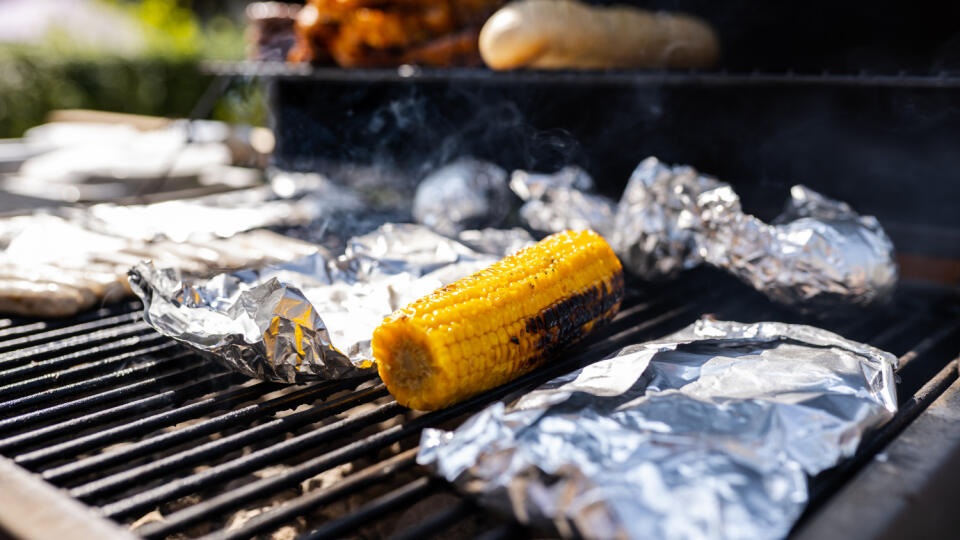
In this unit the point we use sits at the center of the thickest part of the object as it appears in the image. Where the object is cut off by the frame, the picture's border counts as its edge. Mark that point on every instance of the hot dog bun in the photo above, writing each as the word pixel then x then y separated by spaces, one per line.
pixel 561 34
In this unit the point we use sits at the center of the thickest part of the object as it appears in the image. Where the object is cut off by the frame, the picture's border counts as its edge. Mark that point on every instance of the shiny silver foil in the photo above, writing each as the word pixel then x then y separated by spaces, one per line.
pixel 465 194
pixel 290 199
pixel 819 253
pixel 561 201
pixel 313 318
pixel 711 432
pixel 659 221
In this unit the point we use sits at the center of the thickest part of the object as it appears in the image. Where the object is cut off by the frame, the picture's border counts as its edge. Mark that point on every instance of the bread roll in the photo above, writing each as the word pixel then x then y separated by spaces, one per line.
pixel 562 34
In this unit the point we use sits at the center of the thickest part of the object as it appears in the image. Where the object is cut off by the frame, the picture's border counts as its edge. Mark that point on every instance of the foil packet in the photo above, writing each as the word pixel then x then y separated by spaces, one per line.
pixel 712 432
pixel 817 254
pixel 290 199
pixel 311 319
pixel 659 223
pixel 562 200
pixel 465 194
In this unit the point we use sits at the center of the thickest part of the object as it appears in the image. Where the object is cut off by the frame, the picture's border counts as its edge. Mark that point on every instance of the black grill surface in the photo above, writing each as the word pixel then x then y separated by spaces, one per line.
pixel 130 423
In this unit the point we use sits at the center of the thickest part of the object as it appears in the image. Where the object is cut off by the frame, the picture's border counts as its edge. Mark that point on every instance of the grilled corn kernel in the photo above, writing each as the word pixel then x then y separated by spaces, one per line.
pixel 499 323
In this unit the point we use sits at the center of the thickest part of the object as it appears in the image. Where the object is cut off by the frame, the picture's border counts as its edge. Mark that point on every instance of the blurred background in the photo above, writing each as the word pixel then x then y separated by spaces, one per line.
pixel 93 94
pixel 140 57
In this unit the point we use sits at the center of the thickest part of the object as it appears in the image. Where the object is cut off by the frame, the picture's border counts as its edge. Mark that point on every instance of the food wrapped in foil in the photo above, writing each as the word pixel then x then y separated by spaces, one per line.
pixel 659 219
pixel 561 201
pixel 819 253
pixel 711 432
pixel 290 199
pixel 312 318
pixel 465 194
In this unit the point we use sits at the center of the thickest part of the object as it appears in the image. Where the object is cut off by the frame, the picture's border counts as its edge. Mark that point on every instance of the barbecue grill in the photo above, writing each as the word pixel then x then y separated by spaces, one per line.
pixel 124 421
pixel 103 421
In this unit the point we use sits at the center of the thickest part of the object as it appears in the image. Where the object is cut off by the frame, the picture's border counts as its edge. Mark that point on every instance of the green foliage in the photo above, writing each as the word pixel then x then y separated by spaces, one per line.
pixel 169 26
pixel 162 77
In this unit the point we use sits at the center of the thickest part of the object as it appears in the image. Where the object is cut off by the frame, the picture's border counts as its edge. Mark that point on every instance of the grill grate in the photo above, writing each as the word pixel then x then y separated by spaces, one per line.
pixel 128 422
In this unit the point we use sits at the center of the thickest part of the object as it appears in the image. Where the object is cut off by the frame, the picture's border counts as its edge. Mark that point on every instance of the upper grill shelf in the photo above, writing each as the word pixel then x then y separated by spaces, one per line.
pixel 691 78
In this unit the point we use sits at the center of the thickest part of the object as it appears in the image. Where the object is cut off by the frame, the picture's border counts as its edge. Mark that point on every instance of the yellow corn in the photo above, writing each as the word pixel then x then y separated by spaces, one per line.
pixel 499 323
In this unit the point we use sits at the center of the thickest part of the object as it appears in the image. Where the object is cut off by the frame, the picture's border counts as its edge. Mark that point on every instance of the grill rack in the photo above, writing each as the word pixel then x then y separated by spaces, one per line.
pixel 126 421
pixel 591 78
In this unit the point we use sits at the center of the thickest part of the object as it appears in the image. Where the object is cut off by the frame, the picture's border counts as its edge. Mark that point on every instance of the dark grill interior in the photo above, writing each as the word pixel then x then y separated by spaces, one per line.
pixel 878 140
pixel 128 421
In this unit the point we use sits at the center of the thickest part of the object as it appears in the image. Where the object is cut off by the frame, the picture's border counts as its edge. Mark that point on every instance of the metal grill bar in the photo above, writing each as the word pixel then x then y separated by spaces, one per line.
pixel 438 521
pixel 928 343
pixel 9 328
pixel 503 532
pixel 888 334
pixel 89 384
pixel 166 440
pixel 252 461
pixel 16 357
pixel 314 499
pixel 47 366
pixel 67 331
pixel 15 386
pixel 413 491
pixel 173 395
pixel 137 427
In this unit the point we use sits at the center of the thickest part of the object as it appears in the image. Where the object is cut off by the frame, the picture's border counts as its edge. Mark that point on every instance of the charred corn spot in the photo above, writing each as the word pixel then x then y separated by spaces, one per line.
pixel 499 323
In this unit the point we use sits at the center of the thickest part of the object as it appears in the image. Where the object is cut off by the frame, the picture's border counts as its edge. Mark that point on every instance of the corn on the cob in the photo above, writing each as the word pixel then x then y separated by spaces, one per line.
pixel 499 323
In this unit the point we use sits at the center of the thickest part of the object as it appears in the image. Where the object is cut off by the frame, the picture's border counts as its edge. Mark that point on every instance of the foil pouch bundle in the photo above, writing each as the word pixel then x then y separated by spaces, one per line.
pixel 819 253
pixel 562 200
pixel 312 318
pixel 465 194
pixel 711 432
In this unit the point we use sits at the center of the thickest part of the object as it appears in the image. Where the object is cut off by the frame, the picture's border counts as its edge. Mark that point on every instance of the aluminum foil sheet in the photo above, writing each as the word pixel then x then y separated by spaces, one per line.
pixel 659 219
pixel 818 254
pixel 561 201
pixel 465 194
pixel 290 199
pixel 711 432
pixel 313 318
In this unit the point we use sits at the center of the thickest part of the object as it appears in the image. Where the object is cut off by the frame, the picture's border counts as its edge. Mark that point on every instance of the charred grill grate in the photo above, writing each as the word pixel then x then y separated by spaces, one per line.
pixel 128 422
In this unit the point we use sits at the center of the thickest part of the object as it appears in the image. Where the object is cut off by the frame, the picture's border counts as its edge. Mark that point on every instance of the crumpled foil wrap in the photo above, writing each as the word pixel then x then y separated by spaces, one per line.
pixel 465 194
pixel 313 318
pixel 818 254
pixel 561 201
pixel 658 223
pixel 711 432
pixel 290 199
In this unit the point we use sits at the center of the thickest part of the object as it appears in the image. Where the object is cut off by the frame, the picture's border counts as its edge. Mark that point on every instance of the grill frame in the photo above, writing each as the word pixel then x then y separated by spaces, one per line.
pixel 646 315
pixel 867 137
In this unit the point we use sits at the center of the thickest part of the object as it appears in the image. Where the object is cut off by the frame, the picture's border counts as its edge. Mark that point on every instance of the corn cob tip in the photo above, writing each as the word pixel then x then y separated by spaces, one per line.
pixel 407 365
